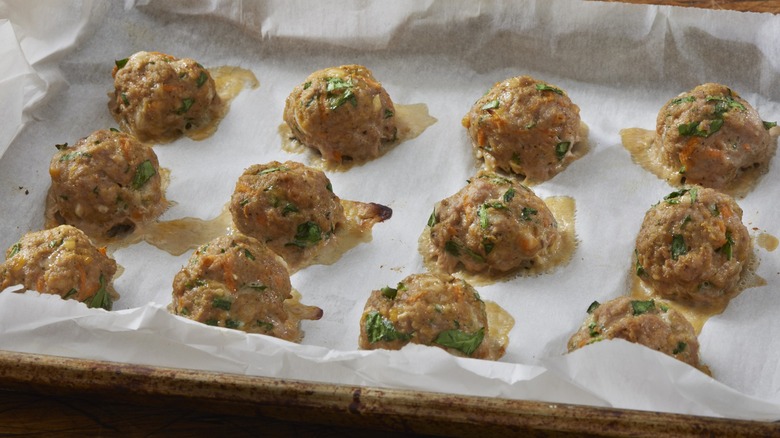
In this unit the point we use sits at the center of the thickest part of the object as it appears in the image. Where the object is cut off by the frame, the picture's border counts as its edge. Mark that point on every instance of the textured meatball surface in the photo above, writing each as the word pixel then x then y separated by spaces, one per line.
pixel 525 126
pixel 343 112
pixel 60 261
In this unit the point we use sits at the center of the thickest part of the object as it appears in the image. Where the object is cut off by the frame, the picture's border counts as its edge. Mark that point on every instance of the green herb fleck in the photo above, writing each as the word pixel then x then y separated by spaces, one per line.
pixel 640 270
pixel 306 85
pixel 692 129
pixel 681 346
pixel 143 173
pixel 561 149
pixel 545 87
pixel 592 329
pixel 273 169
pixel 493 104
pixel 379 328
pixel 221 303
pixel 70 293
pixel 267 326
pixel 307 234
pixel 15 249
pixel 248 254
pixel 202 78
pixel 593 306
pixel 432 218
pixel 186 104
pixel 232 323
pixel 102 298
pixel 121 63
pixel 462 341
pixel 289 208
pixel 508 195
pixel 678 246
pixel 641 307
pixel 339 92
pixel 61 147
pixel 728 248
pixel 125 99
pixel 389 113
pixel 527 212
pixel 682 99
pixel 769 125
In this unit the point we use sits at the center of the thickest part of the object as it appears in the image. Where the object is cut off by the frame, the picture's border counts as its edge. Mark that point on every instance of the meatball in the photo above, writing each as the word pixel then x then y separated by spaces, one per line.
pixel 159 98
pixel 692 246
pixel 494 224
pixel 712 136
pixel 524 126
pixel 106 184
pixel 61 261
pixel 650 323
pixel 288 206
pixel 428 309
pixel 237 282
pixel 342 112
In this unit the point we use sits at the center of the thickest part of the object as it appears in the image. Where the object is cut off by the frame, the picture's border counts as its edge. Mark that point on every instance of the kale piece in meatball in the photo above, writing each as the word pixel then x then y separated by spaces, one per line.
pixel 650 323
pixel 160 98
pixel 61 261
pixel 712 136
pixel 525 126
pixel 106 184
pixel 692 246
pixel 428 309
pixel 237 282
pixel 493 225
pixel 288 206
pixel 343 112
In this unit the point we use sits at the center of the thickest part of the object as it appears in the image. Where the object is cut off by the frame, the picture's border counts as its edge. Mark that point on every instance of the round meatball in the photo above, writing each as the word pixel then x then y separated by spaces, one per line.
pixel 106 184
pixel 237 282
pixel 650 323
pixel 494 224
pixel 524 126
pixel 288 206
pixel 159 98
pixel 692 246
pixel 61 261
pixel 343 112
pixel 428 309
pixel 712 136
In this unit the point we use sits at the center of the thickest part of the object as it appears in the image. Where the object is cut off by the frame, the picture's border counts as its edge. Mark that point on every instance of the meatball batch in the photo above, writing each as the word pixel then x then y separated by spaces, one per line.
pixel 106 184
pixel 160 98
pixel 692 246
pixel 288 206
pixel 650 323
pixel 343 112
pixel 428 309
pixel 236 282
pixel 61 261
pixel 493 225
pixel 525 126
pixel 711 136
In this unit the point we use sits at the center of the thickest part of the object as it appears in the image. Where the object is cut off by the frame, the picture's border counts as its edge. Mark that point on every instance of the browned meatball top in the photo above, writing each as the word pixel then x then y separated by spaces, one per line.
pixel 692 246
pixel 288 206
pixel 342 112
pixel 106 184
pixel 60 261
pixel 428 309
pixel 650 323
pixel 159 98
pixel 712 136
pixel 524 126
pixel 237 282
pixel 493 224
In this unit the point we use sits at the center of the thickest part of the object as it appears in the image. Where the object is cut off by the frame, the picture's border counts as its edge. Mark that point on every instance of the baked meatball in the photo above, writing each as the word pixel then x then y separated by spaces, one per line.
pixel 61 261
pixel 712 136
pixel 237 282
pixel 692 246
pixel 288 206
pixel 650 323
pixel 106 184
pixel 524 126
pixel 493 225
pixel 343 112
pixel 159 98
pixel 428 309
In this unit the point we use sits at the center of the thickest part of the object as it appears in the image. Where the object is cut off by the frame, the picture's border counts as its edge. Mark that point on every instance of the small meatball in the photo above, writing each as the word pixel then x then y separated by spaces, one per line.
pixel 61 261
pixel 494 224
pixel 288 206
pixel 524 126
pixel 712 136
pixel 650 323
pixel 106 184
pixel 343 112
pixel 237 282
pixel 159 98
pixel 441 311
pixel 692 246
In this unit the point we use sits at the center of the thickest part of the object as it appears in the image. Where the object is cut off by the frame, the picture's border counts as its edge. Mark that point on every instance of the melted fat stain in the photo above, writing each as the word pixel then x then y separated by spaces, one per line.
pixel 500 323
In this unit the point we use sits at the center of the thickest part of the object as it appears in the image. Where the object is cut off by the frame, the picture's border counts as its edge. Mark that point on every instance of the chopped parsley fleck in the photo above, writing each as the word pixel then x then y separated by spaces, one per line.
pixel 390 293
pixel 462 341
pixel 273 169
pixel 678 246
pixel 545 87
pixel 432 218
pixel 681 346
pixel 674 197
pixel 120 63
pixel 508 195
pixel 248 254
pixel 389 113
pixel 593 306
pixel 682 99
pixel 221 303
pixel 692 129
pixel 232 323
pixel 527 213
pixel 14 249
pixel 186 104
pixel 307 234
pixel 640 270
pixel 74 155
pixel 769 125
pixel 70 293
pixel 267 326
pixel 143 173
pixel 61 147
pixel 125 100
pixel 561 149
pixel 493 104
pixel 102 297
pixel 379 328
pixel 640 307
pixel 724 104
pixel 339 91
pixel 202 78
pixel 728 248
pixel 306 85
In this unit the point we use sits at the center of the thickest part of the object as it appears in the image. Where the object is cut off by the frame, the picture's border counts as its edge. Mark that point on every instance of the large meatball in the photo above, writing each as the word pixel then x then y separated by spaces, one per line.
pixel 60 261
pixel 692 246
pixel 288 206
pixel 159 97
pixel 493 225
pixel 524 126
pixel 343 112
pixel 650 323
pixel 237 282
pixel 106 184
pixel 428 309
pixel 712 136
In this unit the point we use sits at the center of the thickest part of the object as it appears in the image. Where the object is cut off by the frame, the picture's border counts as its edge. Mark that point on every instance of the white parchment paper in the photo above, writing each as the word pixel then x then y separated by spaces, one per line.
pixel 619 63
